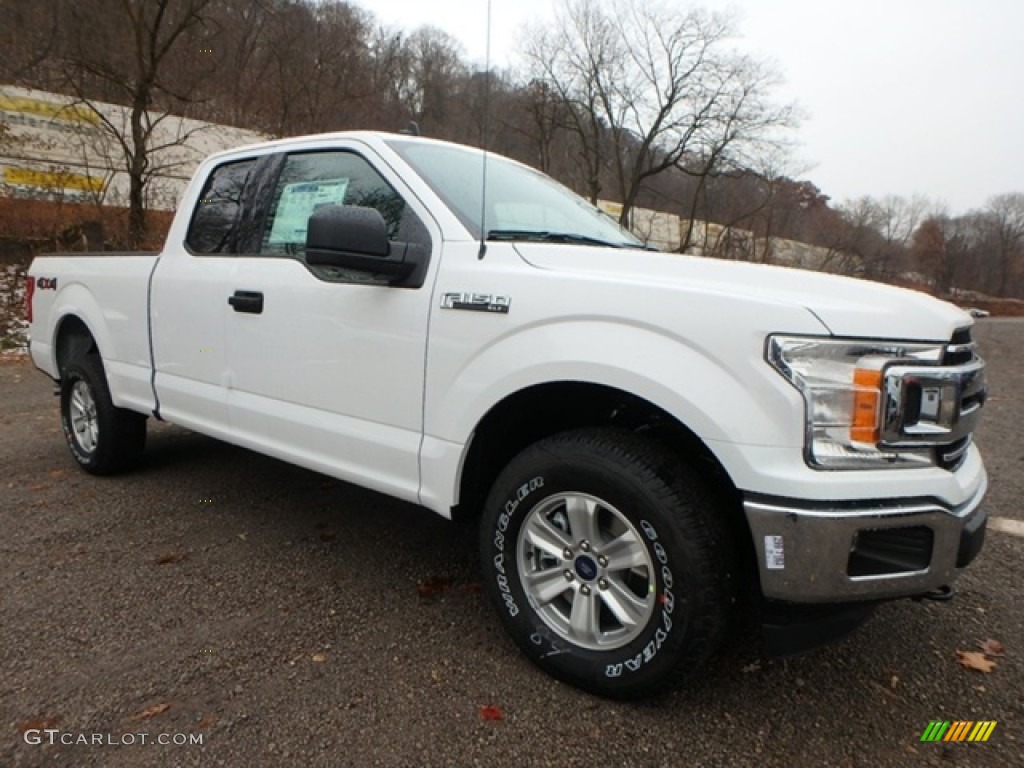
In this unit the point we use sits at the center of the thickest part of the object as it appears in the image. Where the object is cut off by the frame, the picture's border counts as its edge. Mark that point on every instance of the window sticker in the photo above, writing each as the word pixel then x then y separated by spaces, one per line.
pixel 298 202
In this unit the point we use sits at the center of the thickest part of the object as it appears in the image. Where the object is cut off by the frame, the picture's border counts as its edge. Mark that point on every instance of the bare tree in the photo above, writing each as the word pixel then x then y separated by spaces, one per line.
pixel 578 59
pixel 649 89
pixel 546 115
pixel 435 75
pixel 880 230
pixel 319 71
pixel 124 50
pixel 29 38
pixel 898 216
pixel 943 247
pixel 243 56
pixel 1006 214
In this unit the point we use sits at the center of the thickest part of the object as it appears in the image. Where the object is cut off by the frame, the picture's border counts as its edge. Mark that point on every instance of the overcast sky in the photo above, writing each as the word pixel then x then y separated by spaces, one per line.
pixel 901 96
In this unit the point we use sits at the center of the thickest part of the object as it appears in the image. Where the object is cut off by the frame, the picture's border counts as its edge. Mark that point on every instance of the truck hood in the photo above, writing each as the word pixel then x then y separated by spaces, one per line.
pixel 846 306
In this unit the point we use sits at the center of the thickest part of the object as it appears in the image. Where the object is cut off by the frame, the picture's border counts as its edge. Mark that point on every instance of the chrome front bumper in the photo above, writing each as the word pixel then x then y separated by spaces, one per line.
pixel 827 553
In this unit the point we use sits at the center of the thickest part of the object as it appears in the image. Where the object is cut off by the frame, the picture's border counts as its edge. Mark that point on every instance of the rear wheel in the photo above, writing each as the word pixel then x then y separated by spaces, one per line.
pixel 607 562
pixel 103 438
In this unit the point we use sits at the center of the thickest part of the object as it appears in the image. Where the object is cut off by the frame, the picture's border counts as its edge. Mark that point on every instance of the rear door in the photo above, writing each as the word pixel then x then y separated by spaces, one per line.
pixel 188 306
pixel 326 364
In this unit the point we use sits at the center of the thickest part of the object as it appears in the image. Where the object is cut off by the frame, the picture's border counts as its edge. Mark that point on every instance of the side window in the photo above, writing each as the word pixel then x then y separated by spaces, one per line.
pixel 215 221
pixel 314 179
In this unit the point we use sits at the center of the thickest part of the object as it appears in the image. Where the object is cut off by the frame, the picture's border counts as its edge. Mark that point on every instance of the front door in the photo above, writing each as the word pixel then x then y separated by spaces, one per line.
pixel 327 365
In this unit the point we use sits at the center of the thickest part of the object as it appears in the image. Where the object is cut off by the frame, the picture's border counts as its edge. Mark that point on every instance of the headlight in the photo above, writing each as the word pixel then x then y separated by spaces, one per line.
pixel 841 382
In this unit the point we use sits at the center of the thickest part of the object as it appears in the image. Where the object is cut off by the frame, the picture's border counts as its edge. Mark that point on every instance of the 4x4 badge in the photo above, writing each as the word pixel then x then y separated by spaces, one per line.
pixel 476 302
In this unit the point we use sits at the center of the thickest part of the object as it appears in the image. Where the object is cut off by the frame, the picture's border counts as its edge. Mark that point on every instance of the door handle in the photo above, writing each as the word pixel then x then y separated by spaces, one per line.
pixel 247 301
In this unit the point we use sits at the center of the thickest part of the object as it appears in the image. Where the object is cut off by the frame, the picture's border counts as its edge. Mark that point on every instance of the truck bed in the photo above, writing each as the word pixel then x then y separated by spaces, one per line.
pixel 108 291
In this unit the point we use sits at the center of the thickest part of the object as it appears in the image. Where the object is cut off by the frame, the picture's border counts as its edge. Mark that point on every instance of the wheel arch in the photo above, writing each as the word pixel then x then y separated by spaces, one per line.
pixel 73 337
pixel 531 414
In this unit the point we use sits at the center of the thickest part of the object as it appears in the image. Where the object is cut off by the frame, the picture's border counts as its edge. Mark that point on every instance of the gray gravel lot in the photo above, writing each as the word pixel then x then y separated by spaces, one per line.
pixel 290 619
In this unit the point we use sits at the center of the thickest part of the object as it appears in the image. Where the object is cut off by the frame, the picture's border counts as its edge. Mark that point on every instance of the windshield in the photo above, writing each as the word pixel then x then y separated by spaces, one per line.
pixel 522 204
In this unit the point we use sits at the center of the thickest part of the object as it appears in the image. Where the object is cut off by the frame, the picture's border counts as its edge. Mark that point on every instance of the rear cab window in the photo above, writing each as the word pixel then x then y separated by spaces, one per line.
pixel 214 225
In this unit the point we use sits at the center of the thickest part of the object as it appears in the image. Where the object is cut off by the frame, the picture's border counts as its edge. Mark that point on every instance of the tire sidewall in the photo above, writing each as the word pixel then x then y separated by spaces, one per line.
pixel 625 671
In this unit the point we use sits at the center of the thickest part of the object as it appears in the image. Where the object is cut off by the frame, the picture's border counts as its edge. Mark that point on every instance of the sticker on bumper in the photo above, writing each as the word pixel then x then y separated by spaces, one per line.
pixel 774 553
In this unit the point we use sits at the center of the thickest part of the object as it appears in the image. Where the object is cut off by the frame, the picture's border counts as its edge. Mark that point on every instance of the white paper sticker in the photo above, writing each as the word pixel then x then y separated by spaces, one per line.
pixel 297 203
pixel 774 554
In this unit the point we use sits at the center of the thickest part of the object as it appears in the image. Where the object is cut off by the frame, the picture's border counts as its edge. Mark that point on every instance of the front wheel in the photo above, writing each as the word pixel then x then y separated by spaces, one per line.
pixel 607 562
pixel 102 437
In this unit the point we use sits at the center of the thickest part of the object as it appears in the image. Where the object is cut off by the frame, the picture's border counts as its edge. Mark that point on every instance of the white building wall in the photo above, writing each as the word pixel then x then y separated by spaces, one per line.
pixel 57 148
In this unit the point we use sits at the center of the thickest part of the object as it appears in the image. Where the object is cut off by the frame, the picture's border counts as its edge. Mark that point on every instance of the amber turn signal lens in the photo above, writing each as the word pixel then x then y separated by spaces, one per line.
pixel 867 392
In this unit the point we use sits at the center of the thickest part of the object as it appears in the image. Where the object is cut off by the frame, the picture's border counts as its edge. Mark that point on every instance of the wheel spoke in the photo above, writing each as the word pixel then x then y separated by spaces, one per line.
pixel 625 552
pixel 629 609
pixel 82 415
pixel 583 621
pixel 545 537
pixel 86 433
pixel 582 514
pixel 546 585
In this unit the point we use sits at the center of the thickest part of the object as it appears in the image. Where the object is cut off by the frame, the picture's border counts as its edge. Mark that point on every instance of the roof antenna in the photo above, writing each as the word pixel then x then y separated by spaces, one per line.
pixel 483 138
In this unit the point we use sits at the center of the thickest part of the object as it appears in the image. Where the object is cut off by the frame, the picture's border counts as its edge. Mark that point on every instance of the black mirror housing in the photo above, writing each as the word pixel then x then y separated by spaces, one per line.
pixel 354 237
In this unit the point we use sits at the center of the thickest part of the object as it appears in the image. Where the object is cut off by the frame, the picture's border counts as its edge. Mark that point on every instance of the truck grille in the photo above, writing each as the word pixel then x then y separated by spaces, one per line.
pixel 936 407
pixel 961 350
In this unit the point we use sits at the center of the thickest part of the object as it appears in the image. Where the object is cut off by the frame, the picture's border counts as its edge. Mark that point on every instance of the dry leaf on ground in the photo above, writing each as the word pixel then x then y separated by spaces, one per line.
pixel 975 660
pixel 432 587
pixel 319 658
pixel 991 647
pixel 38 724
pixel 491 714
pixel 151 712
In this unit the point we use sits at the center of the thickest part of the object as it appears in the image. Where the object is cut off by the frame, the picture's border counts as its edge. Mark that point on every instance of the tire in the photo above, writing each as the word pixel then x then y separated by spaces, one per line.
pixel 607 562
pixel 103 439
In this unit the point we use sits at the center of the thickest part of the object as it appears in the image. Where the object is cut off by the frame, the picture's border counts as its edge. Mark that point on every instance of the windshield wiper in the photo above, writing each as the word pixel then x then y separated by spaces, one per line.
pixel 548 237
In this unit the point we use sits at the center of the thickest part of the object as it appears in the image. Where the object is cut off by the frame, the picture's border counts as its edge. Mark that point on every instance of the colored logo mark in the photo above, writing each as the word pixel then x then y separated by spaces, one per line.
pixel 958 730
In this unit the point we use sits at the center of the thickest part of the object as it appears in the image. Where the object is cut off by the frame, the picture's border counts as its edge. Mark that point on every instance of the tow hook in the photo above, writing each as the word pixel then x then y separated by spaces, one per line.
pixel 942 594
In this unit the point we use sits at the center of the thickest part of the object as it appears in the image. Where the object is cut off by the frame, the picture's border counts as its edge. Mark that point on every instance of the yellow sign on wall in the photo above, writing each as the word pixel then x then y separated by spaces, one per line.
pixel 27 177
pixel 74 113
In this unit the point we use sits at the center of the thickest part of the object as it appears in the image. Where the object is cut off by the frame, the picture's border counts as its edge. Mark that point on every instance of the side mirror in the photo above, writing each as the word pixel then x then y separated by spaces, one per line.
pixel 353 237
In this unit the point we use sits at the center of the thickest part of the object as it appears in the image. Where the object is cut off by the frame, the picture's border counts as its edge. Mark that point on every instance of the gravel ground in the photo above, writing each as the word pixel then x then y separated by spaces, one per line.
pixel 288 619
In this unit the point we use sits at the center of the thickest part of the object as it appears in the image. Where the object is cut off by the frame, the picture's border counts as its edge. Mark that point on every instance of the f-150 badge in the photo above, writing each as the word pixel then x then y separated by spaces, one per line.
pixel 476 302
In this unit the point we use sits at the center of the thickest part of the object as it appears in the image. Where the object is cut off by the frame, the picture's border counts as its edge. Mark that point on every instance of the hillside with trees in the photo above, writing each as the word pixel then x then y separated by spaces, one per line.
pixel 634 103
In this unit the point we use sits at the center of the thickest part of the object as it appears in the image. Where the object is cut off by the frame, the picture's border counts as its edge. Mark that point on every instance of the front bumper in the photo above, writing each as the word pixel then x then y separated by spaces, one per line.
pixel 816 552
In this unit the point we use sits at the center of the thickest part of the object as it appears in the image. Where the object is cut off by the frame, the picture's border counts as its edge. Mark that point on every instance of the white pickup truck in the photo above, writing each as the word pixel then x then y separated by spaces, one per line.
pixel 652 443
